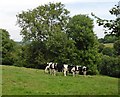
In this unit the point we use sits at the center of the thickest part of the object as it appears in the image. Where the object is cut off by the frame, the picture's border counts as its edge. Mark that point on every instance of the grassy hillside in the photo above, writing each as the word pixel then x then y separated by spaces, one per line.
pixel 26 81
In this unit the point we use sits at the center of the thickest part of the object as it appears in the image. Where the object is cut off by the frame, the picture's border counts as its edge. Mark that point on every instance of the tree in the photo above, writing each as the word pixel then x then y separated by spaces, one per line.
pixel 109 66
pixel 112 26
pixel 38 24
pixel 61 48
pixel 7 48
pixel 101 47
pixel 108 51
pixel 110 38
pixel 44 28
pixel 80 29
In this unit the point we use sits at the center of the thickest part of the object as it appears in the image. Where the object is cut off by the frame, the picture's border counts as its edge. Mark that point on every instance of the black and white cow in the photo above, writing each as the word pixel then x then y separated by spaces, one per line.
pixel 47 69
pixel 65 69
pixel 51 68
pixel 71 69
pixel 84 70
pixel 76 70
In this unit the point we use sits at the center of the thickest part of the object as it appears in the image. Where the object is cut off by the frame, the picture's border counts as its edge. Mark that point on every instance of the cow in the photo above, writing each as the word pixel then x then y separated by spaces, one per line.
pixel 65 69
pixel 71 69
pixel 47 69
pixel 51 68
pixel 84 70
pixel 76 70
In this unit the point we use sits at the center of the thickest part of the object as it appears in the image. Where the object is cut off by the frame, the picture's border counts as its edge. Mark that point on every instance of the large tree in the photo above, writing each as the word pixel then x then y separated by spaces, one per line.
pixel 44 28
pixel 81 31
pixel 39 23
pixel 61 48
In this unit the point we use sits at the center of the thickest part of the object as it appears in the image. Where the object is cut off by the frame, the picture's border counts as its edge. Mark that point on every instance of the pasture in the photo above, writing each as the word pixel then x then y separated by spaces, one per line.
pixel 27 81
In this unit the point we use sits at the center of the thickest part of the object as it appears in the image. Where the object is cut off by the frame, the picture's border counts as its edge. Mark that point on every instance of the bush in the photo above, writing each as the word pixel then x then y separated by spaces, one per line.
pixel 117 47
pixel 108 51
pixel 101 47
pixel 110 66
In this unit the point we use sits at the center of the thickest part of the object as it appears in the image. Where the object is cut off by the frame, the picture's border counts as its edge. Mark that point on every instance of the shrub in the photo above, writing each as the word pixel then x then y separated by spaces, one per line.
pixel 110 66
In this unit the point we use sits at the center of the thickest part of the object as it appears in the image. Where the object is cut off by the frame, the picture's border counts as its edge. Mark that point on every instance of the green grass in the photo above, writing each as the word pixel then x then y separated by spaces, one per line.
pixel 26 81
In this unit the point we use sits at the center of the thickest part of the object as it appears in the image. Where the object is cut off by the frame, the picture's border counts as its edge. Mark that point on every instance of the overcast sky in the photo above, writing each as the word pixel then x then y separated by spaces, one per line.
pixel 10 8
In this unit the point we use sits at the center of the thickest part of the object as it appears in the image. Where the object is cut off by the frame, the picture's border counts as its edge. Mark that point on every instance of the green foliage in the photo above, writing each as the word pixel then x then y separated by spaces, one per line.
pixel 20 55
pixel 108 39
pixel 38 24
pixel 110 66
pixel 108 51
pixel 44 28
pixel 101 40
pixel 27 81
pixel 36 53
pixel 111 26
pixel 7 48
pixel 60 48
pixel 81 31
pixel 51 35
pixel 117 47
pixel 101 47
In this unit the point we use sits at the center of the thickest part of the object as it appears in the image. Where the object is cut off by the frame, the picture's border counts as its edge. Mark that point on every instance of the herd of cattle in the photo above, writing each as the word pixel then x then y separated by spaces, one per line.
pixel 52 68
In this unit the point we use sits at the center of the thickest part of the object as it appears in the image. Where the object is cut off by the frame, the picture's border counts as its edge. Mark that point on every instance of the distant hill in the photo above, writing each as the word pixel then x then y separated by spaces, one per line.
pixel 109 45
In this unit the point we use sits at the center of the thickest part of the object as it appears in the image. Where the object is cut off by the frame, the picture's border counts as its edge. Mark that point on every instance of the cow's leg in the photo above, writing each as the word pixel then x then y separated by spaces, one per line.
pixel 73 73
pixel 65 72
pixel 84 73
pixel 54 72
pixel 45 70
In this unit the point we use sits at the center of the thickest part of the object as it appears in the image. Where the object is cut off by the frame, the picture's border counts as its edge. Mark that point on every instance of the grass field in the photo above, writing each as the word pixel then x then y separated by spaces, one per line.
pixel 26 81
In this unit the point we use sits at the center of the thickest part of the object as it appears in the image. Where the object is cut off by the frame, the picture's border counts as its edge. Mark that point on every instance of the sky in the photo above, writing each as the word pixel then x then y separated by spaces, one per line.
pixel 10 8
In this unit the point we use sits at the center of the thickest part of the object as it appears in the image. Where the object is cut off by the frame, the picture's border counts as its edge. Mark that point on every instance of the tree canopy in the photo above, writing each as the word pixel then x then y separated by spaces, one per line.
pixel 39 23
pixel 112 26
pixel 45 28
pixel 80 29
